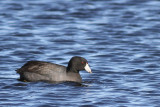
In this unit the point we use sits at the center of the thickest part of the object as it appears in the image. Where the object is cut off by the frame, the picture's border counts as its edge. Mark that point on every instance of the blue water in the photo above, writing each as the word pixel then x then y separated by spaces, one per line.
pixel 119 38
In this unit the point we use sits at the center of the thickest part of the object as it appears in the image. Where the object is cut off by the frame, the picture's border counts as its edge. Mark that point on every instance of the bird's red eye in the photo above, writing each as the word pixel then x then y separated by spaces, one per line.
pixel 82 62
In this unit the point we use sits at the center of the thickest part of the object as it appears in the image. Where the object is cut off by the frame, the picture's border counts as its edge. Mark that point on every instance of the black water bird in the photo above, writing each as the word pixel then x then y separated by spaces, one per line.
pixel 45 71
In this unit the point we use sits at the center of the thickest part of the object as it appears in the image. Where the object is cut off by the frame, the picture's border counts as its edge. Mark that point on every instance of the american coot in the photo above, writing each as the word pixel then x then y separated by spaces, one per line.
pixel 46 71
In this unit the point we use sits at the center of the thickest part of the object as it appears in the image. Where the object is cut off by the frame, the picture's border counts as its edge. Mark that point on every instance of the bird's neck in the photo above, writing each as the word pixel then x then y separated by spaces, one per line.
pixel 71 69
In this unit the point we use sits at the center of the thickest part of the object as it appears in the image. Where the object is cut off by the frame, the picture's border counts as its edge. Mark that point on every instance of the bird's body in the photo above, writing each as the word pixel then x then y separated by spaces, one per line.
pixel 46 71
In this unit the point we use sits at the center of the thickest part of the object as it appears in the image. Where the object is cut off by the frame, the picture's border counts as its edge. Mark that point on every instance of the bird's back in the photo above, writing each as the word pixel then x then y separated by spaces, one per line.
pixel 39 70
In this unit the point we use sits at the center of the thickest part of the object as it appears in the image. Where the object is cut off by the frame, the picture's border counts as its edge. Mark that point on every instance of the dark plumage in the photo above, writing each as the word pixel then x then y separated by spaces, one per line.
pixel 46 71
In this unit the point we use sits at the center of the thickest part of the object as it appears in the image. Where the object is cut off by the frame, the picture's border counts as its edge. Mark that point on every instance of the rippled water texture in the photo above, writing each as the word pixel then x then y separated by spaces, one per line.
pixel 119 38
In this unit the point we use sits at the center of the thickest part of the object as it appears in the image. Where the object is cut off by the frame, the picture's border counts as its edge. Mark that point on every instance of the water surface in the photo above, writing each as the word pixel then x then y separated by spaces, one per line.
pixel 120 40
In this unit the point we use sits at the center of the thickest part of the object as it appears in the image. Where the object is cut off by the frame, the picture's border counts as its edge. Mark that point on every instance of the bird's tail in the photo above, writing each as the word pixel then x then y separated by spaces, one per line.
pixel 18 71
